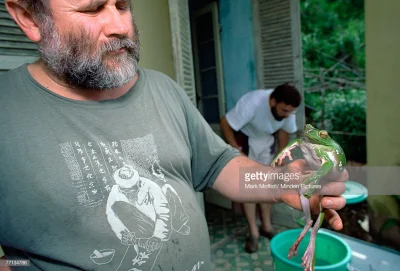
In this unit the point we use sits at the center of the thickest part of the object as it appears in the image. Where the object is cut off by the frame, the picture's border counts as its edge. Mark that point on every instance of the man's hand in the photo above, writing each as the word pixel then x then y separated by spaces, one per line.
pixel 231 184
pixel 333 189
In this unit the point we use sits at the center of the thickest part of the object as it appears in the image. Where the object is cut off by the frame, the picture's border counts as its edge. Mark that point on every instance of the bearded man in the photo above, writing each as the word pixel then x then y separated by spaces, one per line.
pixel 258 118
pixel 85 109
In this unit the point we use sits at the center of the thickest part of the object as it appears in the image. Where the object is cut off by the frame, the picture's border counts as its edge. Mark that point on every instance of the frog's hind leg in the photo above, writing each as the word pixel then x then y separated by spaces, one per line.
pixel 309 256
pixel 307 211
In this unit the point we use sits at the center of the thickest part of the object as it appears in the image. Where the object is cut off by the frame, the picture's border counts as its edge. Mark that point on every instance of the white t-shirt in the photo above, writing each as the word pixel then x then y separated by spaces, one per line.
pixel 252 115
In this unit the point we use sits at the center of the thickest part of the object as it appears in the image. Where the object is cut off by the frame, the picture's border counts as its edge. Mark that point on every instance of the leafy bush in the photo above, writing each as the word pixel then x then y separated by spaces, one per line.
pixel 345 111
pixel 332 30
pixel 333 38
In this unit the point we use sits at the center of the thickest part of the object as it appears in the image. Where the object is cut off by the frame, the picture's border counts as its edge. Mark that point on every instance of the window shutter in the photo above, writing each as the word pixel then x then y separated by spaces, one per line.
pixel 183 56
pixel 280 42
pixel 279 51
pixel 182 46
pixel 15 48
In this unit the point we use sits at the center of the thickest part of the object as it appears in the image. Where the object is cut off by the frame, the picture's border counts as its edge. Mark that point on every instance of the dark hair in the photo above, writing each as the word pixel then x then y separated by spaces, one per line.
pixel 288 94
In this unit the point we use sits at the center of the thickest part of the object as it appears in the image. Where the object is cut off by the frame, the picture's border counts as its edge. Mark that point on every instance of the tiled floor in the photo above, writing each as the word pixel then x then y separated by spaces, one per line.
pixel 228 232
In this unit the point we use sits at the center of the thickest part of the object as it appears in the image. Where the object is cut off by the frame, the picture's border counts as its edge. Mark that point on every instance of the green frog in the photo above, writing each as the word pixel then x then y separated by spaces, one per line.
pixel 326 159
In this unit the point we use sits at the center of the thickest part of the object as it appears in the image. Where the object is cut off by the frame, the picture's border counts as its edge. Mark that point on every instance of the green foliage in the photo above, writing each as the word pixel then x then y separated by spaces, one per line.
pixel 333 30
pixel 344 112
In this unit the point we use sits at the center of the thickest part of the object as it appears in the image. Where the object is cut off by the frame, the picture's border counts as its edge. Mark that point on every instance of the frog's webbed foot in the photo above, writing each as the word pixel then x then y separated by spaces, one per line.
pixel 307 211
pixel 308 258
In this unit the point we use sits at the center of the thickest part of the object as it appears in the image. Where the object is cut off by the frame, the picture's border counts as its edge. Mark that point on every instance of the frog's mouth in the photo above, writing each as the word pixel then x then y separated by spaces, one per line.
pixel 309 139
pixel 312 140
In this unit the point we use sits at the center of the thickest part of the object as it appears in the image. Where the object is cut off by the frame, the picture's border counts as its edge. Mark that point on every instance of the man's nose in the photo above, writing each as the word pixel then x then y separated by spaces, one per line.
pixel 114 23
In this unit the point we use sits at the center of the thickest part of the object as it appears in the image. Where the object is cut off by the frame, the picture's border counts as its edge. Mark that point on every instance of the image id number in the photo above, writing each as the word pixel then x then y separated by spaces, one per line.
pixel 14 262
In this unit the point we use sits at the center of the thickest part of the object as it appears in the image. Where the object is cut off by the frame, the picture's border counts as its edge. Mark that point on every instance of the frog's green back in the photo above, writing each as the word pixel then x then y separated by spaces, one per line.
pixel 340 153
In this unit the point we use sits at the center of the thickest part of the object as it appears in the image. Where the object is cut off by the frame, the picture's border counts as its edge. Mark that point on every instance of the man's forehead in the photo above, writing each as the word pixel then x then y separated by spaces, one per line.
pixel 283 104
pixel 80 2
pixel 286 107
pixel 83 2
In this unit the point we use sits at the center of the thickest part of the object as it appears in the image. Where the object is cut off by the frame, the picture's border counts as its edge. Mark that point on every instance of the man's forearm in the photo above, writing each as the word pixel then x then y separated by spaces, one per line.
pixel 228 133
pixel 235 180
pixel 283 139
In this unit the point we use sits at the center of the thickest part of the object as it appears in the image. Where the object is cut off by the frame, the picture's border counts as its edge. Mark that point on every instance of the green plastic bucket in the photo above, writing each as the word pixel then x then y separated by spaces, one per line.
pixel 332 252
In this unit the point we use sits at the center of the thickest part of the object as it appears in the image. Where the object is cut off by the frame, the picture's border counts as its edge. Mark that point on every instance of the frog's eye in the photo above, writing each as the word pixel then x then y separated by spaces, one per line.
pixel 323 134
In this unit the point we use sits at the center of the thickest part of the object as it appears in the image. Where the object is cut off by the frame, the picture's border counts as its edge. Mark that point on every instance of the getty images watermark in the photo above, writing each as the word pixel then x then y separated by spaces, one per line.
pixel 363 180
pixel 256 178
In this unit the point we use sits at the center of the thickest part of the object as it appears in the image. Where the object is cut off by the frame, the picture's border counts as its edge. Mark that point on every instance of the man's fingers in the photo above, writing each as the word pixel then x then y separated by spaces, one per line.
pixel 344 176
pixel 340 178
pixel 335 203
pixel 334 219
pixel 327 202
pixel 332 189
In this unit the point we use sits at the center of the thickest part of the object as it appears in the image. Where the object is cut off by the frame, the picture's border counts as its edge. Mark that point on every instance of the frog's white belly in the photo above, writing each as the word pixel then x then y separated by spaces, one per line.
pixel 310 156
pixel 315 162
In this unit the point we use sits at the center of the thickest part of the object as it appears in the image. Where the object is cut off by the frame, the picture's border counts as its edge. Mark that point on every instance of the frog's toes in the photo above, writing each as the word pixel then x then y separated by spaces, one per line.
pixel 293 251
pixel 287 154
pixel 308 258
pixel 282 157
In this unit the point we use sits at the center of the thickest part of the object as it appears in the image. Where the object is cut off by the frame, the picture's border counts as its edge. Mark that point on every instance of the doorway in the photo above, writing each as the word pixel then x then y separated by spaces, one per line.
pixel 208 64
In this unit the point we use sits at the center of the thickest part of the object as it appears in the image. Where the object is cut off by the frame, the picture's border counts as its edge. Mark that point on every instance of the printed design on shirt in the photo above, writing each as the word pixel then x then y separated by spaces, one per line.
pixel 197 266
pixel 92 164
pixel 141 208
pixel 156 211
pixel 103 256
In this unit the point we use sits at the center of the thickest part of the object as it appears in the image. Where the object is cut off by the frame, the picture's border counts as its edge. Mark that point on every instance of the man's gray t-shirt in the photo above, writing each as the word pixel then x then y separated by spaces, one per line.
pixel 105 185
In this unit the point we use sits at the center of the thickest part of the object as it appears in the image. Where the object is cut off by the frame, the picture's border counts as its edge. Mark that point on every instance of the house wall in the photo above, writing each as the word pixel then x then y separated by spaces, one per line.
pixel 383 96
pixel 152 18
pixel 238 56
pixel 382 73
pixel 237 46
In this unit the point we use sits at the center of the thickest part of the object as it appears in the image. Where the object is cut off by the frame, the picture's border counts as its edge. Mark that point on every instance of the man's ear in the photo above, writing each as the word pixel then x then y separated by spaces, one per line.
pixel 24 19
pixel 272 102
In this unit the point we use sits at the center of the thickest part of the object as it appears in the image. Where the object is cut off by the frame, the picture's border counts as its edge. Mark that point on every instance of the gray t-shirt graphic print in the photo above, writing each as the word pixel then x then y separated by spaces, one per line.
pixel 141 208
pixel 105 185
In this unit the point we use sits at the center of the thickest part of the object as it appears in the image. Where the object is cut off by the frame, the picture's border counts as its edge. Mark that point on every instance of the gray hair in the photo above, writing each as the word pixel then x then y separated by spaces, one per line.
pixel 39 8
